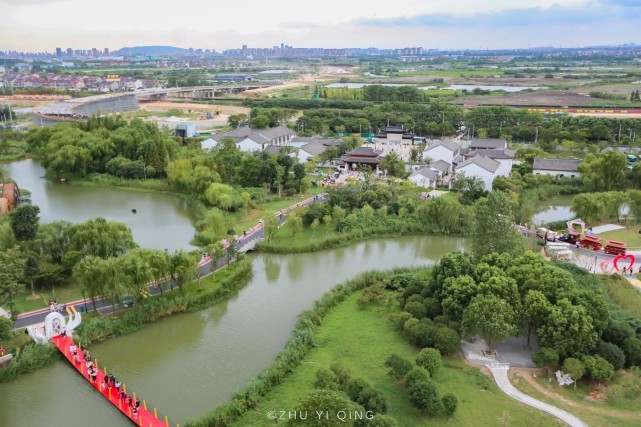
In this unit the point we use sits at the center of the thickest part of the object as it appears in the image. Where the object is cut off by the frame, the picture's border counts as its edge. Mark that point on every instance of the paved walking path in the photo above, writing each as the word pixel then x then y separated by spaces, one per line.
pixel 499 371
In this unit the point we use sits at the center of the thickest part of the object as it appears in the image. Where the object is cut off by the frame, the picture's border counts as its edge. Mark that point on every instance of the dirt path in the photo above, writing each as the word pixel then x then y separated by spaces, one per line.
pixel 194 107
pixel 526 375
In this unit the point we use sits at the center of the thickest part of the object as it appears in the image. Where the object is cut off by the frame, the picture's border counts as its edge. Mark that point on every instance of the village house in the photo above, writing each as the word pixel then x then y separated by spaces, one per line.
pixel 309 151
pixel 504 156
pixel 488 144
pixel 425 177
pixel 249 140
pixel 481 167
pixel 446 150
pixel 557 167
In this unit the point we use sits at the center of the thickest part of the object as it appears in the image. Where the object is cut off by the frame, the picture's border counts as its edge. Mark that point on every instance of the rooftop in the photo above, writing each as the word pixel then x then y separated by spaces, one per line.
pixel 483 162
pixel 447 143
pixel 564 165
pixel 489 143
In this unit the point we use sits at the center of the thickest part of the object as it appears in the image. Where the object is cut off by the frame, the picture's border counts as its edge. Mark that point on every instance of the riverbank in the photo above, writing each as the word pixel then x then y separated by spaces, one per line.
pixel 338 329
pixel 197 295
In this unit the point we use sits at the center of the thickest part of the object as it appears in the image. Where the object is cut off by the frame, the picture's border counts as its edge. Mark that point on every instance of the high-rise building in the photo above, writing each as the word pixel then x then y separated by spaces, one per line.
pixel 94 51
pixel 106 51
pixel 58 52
pixel 69 52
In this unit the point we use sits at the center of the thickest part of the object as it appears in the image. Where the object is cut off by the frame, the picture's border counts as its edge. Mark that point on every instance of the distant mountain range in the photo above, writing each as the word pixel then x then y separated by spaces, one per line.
pixel 151 50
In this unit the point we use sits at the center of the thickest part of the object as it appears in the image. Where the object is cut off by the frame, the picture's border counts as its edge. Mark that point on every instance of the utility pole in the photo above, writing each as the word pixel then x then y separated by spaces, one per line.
pixel 536 136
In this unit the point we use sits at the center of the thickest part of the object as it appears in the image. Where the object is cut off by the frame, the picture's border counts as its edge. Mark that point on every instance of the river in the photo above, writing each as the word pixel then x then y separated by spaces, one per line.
pixel 189 363
pixel 161 221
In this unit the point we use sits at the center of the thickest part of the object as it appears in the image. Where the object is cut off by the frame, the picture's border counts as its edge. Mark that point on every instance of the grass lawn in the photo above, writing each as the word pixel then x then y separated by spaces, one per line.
pixel 241 222
pixel 623 294
pixel 629 235
pixel 62 293
pixel 363 339
pixel 578 402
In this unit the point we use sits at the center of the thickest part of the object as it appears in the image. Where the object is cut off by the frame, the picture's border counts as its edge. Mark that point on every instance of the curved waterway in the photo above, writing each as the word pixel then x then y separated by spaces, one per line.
pixel 187 364
pixel 161 221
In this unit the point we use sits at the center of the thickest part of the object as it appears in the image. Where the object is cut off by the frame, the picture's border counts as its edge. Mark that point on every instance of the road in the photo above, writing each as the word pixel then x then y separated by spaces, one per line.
pixel 205 268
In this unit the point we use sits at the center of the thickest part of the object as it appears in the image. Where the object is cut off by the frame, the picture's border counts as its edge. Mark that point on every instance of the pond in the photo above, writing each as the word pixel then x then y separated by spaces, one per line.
pixel 161 221
pixel 189 363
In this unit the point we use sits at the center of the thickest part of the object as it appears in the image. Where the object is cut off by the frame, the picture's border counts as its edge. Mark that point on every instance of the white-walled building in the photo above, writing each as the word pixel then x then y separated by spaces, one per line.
pixel 446 150
pixel 309 151
pixel 480 167
pixel 208 144
pixel 557 167
pixel 504 156
pixel 249 140
pixel 424 177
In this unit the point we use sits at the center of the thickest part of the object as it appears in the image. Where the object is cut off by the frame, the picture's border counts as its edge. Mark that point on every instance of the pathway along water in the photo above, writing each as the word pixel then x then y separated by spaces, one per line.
pixel 187 364
pixel 161 221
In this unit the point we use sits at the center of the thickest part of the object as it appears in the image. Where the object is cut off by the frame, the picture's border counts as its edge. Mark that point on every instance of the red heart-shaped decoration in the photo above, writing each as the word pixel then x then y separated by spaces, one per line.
pixel 620 257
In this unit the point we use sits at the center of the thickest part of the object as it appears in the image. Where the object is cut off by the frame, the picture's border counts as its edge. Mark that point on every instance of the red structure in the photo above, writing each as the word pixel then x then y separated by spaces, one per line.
pixel 144 418
pixel 591 242
pixel 613 247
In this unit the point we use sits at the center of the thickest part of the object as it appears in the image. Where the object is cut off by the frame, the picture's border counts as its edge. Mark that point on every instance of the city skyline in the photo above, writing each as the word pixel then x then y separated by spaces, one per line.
pixel 42 25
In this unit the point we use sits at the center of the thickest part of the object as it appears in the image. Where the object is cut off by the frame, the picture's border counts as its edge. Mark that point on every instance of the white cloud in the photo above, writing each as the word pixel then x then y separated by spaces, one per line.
pixel 46 24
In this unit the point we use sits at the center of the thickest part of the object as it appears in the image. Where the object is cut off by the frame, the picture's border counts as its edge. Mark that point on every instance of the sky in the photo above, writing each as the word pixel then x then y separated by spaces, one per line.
pixel 43 25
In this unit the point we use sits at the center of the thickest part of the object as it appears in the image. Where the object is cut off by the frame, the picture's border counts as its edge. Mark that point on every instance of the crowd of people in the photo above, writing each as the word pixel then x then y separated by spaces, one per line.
pixel 109 381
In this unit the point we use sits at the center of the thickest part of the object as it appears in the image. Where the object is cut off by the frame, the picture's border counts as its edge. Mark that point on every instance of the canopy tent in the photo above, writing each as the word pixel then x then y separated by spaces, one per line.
pixel 576 222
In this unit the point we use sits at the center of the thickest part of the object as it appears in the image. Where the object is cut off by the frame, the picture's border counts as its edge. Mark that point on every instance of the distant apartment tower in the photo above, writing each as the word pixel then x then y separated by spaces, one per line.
pixel 94 51
pixel 69 52
pixel 58 52
pixel 105 51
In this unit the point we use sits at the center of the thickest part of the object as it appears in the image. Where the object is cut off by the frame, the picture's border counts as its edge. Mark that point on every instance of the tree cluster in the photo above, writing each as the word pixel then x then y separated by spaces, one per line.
pixel 103 145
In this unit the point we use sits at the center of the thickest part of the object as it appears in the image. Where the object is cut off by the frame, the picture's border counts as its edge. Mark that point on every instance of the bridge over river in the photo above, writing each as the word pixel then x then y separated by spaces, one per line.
pixel 81 108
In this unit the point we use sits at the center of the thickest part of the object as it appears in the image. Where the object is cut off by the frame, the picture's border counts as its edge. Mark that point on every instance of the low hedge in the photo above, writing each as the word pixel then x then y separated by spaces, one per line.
pixel 31 357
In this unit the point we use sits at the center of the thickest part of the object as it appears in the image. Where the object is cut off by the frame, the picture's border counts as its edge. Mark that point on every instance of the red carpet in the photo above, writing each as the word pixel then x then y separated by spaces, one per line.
pixel 145 418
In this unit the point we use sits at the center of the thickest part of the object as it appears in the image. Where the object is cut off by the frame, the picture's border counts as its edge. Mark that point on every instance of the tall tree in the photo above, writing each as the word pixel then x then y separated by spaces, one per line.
pixel 24 222
pixel 493 227
pixel 604 171
pixel 13 264
pixel 569 330
pixel 182 267
pixel 490 317
pixel 533 311
pixel 575 368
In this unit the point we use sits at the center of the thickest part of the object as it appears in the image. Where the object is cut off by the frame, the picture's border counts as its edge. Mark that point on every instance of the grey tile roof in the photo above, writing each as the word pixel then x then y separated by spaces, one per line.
pixel 276 132
pixel 314 148
pixel 565 165
pixel 482 162
pixel 426 172
pixel 447 143
pixel 440 165
pixel 364 151
pixel 502 153
pixel 489 143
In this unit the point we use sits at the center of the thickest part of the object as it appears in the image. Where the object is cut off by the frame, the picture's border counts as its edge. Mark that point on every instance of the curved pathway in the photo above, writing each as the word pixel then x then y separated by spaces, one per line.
pixel 500 370
pixel 502 380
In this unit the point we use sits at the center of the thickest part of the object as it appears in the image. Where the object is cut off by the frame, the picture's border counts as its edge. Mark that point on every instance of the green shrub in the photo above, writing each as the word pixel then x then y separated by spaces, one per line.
pixel 5 328
pixel 326 379
pixel 598 368
pixel 446 340
pixel 424 395
pixel 31 357
pixel 450 402
pixel 418 373
pixel 430 359
pixel 612 353
pixel 398 367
